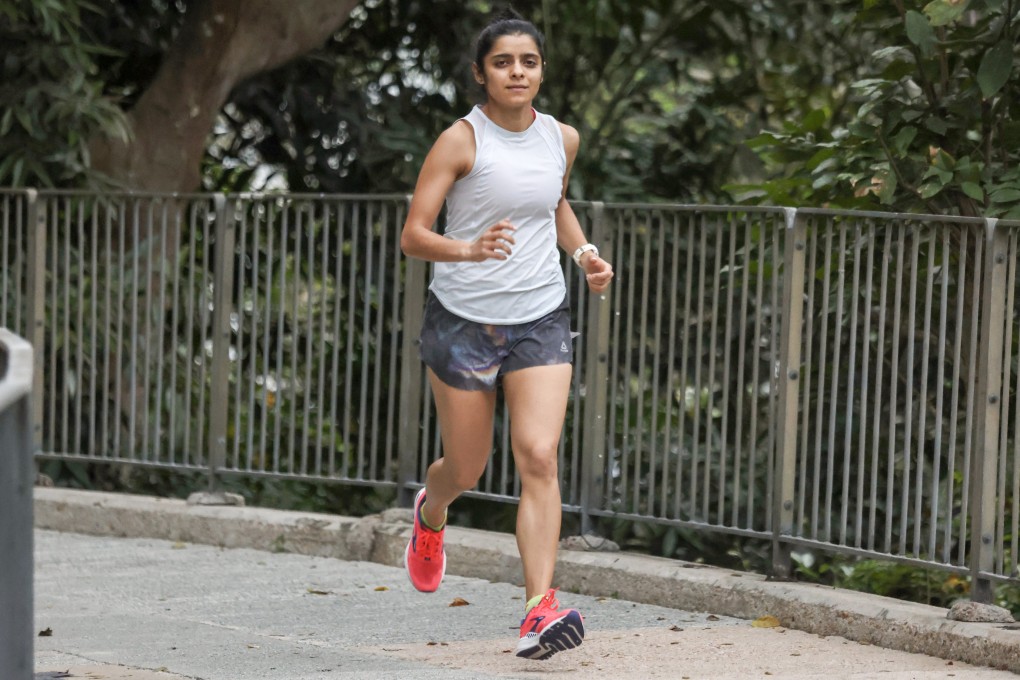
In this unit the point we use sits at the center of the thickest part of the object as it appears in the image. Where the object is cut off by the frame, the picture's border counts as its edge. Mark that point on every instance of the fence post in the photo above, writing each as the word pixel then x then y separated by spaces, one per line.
pixel 35 312
pixel 596 383
pixel 788 378
pixel 409 434
pixel 17 473
pixel 223 282
pixel 985 461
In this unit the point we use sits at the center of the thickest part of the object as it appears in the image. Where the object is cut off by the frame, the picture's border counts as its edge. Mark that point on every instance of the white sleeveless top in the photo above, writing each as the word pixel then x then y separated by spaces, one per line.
pixel 516 176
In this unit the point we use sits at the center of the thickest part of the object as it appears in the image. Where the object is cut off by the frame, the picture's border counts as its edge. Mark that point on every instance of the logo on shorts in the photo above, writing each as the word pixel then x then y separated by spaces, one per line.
pixel 563 347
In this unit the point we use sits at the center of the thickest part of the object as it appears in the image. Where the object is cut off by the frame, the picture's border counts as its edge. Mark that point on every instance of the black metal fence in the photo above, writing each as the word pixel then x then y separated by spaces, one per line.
pixel 819 379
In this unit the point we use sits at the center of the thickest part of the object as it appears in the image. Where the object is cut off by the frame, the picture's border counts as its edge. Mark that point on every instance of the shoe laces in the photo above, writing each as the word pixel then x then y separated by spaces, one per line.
pixel 430 543
pixel 547 603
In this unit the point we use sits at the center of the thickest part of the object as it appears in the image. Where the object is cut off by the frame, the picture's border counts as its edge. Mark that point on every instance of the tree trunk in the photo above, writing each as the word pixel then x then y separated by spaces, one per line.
pixel 221 43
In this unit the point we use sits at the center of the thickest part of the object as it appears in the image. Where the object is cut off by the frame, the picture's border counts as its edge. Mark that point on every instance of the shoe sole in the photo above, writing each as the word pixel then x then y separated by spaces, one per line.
pixel 566 633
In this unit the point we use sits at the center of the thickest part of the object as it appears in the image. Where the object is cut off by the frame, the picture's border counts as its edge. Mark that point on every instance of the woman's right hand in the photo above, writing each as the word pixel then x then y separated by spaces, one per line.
pixel 494 244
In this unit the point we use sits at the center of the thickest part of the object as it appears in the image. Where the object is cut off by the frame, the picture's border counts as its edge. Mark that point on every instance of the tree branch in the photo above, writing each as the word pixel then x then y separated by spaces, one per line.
pixel 221 43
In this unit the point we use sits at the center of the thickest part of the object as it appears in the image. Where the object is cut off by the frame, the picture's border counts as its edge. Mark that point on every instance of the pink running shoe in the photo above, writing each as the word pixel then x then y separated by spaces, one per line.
pixel 545 630
pixel 425 559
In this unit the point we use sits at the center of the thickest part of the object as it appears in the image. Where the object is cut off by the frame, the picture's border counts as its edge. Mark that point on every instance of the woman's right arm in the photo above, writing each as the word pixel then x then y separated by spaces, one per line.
pixel 450 158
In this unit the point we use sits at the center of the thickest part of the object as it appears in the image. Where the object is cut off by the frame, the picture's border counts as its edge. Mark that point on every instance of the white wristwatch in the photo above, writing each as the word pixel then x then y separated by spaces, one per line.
pixel 587 247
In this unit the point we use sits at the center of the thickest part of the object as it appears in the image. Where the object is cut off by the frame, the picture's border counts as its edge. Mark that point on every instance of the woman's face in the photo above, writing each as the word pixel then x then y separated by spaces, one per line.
pixel 512 70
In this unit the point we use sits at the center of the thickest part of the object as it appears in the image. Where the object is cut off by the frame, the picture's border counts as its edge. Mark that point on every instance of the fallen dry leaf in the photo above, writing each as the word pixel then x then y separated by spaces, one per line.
pixel 46 633
pixel 459 602
pixel 313 591
pixel 676 629
pixel 380 589
pixel 766 621
pixel 712 617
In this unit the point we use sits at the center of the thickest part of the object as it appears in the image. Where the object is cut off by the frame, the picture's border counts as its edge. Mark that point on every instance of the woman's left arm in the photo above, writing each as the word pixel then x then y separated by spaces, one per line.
pixel 569 235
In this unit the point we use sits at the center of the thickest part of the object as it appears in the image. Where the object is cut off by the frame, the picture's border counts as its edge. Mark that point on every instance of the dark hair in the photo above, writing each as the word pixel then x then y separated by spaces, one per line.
pixel 507 22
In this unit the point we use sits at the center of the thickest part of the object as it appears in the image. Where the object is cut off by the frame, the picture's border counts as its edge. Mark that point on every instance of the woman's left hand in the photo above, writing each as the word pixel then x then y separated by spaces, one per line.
pixel 597 272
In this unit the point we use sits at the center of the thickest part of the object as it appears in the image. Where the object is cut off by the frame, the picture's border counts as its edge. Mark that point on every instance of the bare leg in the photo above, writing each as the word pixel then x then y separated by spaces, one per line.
pixel 465 424
pixel 537 399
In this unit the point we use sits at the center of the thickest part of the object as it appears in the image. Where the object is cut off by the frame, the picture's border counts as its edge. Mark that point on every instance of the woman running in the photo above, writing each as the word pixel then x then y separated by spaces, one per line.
pixel 497 313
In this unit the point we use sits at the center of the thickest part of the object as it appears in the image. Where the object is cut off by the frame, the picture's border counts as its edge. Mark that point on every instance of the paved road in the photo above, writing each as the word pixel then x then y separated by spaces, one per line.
pixel 144 609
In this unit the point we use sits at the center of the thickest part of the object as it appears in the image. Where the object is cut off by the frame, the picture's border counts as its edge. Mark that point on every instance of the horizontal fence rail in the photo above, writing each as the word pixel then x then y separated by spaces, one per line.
pixel 822 380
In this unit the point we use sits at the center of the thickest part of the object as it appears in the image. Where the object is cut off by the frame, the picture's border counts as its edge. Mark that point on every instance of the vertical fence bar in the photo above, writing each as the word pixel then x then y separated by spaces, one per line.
pixel 673 376
pixel 954 408
pixel 36 307
pixel 395 353
pixel 759 297
pixel 409 434
pixel 322 347
pixel 986 451
pixel 794 247
pixel 223 277
pixel 868 234
pixel 306 213
pixel 594 461
pixel 17 471
pixel 1001 536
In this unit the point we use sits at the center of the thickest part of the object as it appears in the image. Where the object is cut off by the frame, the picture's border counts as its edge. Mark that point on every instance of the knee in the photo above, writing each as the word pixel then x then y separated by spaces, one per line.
pixel 537 462
pixel 465 478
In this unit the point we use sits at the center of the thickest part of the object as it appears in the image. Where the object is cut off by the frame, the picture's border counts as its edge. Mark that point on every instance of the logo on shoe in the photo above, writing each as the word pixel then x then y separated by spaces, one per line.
pixel 535 623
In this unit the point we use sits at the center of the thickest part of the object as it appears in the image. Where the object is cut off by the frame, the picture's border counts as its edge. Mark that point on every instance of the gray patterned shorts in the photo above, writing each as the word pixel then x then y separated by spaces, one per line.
pixel 473 356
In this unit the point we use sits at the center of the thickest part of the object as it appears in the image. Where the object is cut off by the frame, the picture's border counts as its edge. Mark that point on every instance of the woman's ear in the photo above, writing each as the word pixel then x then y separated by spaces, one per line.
pixel 479 76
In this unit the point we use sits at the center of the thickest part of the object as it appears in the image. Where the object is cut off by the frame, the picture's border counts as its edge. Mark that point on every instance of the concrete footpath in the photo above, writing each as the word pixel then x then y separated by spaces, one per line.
pixel 131 587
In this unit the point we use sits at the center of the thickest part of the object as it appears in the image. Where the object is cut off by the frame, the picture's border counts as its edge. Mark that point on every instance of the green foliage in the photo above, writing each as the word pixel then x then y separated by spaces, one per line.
pixel 928 125
pixel 52 98
pixel 658 91
pixel 356 114
pixel 900 581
